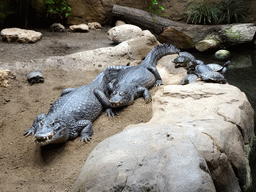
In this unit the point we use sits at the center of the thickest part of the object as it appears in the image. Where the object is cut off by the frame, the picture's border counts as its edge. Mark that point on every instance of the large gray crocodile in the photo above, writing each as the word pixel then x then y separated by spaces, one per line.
pixel 72 114
pixel 134 81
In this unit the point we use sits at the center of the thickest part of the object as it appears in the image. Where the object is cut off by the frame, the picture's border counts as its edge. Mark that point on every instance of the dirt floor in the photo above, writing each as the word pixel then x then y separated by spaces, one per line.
pixel 24 165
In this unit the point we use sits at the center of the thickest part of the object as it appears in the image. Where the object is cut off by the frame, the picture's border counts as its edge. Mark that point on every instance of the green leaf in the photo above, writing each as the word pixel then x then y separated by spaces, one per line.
pixel 162 8
pixel 154 2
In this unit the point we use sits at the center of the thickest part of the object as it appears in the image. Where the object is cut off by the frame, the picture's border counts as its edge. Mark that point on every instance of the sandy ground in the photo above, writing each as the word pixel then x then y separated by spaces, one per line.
pixel 24 165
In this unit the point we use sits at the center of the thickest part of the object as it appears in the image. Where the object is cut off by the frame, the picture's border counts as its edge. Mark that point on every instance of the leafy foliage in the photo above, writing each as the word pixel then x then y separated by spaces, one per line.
pixel 4 11
pixel 154 8
pixel 59 7
pixel 210 12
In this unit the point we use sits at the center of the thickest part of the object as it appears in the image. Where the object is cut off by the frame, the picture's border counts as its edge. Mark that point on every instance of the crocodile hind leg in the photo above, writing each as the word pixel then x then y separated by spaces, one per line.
pixel 32 129
pixel 145 92
pixel 82 127
pixel 157 76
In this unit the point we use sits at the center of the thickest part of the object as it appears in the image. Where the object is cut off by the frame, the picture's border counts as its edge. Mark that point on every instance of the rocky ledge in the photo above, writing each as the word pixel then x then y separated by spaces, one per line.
pixel 196 140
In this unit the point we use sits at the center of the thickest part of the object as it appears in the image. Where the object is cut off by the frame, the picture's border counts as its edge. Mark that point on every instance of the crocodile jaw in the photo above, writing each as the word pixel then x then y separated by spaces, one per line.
pixel 120 101
pixel 52 137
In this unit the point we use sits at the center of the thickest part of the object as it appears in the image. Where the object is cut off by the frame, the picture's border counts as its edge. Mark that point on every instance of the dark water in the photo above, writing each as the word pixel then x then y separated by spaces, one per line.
pixel 242 74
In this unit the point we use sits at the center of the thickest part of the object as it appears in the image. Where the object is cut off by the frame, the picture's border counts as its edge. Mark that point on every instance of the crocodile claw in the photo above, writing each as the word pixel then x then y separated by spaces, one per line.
pixel 85 138
pixel 109 113
pixel 158 83
pixel 28 132
pixel 148 99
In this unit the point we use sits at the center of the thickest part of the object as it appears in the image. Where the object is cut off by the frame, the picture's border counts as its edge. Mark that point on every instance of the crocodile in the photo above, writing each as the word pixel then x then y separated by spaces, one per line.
pixel 134 81
pixel 72 114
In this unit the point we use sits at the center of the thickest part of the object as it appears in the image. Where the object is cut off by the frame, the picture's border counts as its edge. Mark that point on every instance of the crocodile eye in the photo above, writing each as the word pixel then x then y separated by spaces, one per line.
pixel 121 93
pixel 52 123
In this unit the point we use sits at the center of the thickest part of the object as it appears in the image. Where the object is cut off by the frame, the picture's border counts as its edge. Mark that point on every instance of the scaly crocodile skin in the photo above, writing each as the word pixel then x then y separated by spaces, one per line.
pixel 72 114
pixel 134 81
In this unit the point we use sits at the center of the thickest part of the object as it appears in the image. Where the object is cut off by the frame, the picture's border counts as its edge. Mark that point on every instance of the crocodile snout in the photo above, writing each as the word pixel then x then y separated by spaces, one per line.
pixel 116 101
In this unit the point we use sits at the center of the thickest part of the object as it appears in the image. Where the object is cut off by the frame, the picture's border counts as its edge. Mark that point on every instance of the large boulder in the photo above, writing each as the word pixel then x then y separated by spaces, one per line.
pixel 124 32
pixel 216 119
pixel 20 35
pixel 220 112
pixel 145 158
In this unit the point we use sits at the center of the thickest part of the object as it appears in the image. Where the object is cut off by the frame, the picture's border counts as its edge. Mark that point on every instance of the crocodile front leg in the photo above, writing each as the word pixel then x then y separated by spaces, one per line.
pixel 157 76
pixel 84 127
pixel 32 129
pixel 105 102
pixel 145 92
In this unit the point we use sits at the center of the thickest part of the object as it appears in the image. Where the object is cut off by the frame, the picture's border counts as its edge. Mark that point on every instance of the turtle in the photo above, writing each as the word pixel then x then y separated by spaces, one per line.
pixel 212 76
pixel 181 61
pixel 199 69
pixel 35 77
pixel 219 68
pixel 189 79
pixel 184 59
pixel 188 55
pixel 191 65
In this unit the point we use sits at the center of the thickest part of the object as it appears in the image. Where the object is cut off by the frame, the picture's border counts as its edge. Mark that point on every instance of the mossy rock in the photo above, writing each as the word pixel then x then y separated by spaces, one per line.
pixel 222 54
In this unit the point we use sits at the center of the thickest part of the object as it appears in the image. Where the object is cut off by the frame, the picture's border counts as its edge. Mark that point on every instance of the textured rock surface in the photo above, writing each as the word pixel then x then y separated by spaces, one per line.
pixel 124 32
pixel 100 10
pixel 222 54
pixel 133 50
pixel 20 35
pixel 94 25
pixel 177 38
pixel 217 119
pixel 220 112
pixel 4 76
pixel 57 27
pixel 79 28
pixel 145 158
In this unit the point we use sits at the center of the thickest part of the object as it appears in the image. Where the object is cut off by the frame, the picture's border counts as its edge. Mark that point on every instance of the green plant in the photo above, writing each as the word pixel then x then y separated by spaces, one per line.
pixel 154 8
pixel 234 11
pixel 210 12
pixel 59 7
pixel 204 12
pixel 4 11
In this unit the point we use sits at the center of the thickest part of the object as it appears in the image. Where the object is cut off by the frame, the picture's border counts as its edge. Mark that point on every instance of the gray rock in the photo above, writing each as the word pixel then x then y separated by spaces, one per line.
pixel 222 54
pixel 145 158
pixel 57 27
pixel 20 35
pixel 124 32
pixel 94 25
pixel 220 112
pixel 79 28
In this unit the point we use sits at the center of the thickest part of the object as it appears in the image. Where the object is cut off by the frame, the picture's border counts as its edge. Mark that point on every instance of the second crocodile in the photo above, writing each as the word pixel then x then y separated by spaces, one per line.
pixel 134 81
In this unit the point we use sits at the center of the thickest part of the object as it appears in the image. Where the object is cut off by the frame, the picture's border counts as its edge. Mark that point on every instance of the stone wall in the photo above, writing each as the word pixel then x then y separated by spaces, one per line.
pixel 100 10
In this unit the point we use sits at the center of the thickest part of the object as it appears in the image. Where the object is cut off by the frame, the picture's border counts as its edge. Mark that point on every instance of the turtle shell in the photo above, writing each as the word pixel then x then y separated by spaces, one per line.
pixel 35 77
pixel 213 76
pixel 219 68
pixel 189 79
pixel 202 69
pixel 181 61
pixel 188 55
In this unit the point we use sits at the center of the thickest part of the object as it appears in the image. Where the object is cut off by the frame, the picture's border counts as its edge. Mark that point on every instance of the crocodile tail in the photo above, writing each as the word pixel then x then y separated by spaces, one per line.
pixel 158 52
pixel 111 72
